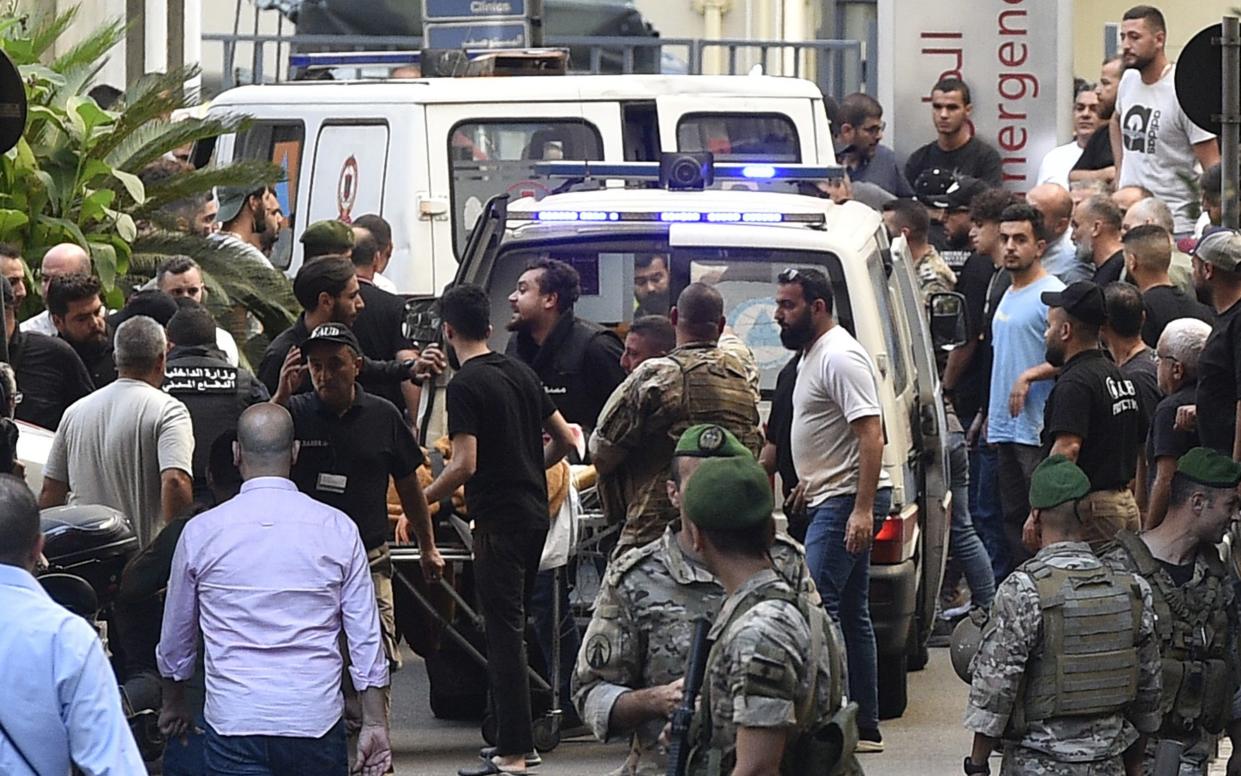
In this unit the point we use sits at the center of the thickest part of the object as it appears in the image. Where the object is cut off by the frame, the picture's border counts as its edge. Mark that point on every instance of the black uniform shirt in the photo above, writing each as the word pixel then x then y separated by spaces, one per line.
pixel 973 281
pixel 1110 270
pixel 373 370
pixel 1164 304
pixel 1164 439
pixel 1219 382
pixel 1093 400
pixel 1141 369
pixel 50 377
pixel 345 461
pixel 378 329
pixel 975 159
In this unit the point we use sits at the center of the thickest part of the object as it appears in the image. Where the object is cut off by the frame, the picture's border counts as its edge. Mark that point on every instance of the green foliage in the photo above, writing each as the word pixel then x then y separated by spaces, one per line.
pixel 73 177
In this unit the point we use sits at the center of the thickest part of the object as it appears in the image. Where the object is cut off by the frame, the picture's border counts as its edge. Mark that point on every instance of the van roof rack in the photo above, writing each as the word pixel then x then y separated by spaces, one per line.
pixel 481 62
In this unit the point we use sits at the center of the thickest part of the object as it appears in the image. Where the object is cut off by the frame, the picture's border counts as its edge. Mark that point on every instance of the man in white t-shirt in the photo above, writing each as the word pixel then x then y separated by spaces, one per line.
pixel 837 444
pixel 128 445
pixel 1154 143
pixel 1059 161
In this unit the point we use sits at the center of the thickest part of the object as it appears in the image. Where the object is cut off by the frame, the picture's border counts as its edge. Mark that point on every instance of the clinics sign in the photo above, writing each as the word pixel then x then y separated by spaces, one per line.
pixel 1015 55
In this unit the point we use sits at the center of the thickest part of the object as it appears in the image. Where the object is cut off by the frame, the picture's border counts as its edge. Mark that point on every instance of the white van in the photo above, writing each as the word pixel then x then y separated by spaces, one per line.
pixel 426 154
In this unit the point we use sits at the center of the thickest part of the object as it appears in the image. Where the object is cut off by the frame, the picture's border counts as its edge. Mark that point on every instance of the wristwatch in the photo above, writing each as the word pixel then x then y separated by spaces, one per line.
pixel 971 769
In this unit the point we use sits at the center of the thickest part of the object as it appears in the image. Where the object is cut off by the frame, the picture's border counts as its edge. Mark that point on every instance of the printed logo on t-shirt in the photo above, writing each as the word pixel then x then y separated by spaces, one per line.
pixel 1140 127
pixel 1124 395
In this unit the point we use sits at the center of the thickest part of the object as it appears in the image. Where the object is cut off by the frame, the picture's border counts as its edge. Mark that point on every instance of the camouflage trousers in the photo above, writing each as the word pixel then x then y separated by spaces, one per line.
pixel 1195 759
pixel 1019 761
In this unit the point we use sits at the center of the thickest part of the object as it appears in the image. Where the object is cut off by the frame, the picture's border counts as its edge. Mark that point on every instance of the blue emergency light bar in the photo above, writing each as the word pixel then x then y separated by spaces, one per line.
pixel 675 217
pixel 649 171
pixel 324 59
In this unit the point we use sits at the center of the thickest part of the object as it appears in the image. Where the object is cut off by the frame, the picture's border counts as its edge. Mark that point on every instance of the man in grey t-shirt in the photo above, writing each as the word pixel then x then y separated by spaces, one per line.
pixel 128 445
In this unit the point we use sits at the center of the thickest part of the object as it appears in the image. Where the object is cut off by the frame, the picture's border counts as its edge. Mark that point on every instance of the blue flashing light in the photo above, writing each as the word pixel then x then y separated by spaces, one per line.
pixel 558 215
pixel 758 171
pixel 593 215
pixel 761 218
pixel 723 218
pixel 680 216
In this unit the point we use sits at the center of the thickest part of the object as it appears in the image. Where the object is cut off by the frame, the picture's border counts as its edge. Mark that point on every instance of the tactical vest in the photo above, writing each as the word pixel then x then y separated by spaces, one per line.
pixel 715 389
pixel 1193 629
pixel 1088 664
pixel 559 366
pixel 823 744
pixel 215 393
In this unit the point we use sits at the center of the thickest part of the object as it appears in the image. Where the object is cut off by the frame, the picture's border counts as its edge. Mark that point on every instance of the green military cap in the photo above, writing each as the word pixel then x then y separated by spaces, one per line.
pixel 1208 467
pixel 707 440
pixel 727 494
pixel 328 237
pixel 1055 481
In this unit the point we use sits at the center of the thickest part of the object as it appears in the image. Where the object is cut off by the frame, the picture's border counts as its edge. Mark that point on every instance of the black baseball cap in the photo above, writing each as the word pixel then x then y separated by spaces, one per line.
pixel 1083 300
pixel 946 190
pixel 335 334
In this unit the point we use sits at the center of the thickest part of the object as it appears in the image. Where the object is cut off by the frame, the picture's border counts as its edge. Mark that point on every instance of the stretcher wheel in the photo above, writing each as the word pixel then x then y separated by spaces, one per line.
pixel 547 732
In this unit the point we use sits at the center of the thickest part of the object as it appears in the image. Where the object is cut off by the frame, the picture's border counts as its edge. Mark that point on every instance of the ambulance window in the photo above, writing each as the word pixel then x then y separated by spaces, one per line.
pixel 737 137
pixel 891 335
pixel 281 144
pixel 493 157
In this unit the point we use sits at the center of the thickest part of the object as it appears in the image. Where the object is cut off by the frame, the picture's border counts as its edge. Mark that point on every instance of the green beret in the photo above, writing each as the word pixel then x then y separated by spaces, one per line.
pixel 1208 467
pixel 327 237
pixel 707 440
pixel 727 494
pixel 1055 481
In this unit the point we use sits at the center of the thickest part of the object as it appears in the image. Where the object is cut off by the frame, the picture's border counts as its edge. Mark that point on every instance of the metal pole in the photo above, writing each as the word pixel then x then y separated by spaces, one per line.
pixel 1230 121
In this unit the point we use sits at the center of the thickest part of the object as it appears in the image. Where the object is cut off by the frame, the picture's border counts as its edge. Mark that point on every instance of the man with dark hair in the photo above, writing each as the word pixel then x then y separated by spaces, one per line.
pixel 70 711
pixel 60 259
pixel 214 391
pixel 13 269
pixel 956 148
pixel 180 276
pixel 1095 162
pixel 75 304
pixel 947 197
pixel 128 445
pixel 908 218
pixel 245 220
pixel 497 414
pixel 1209 187
pixel 1154 143
pixel 194 214
pixel 1148 255
pixel 650 336
pixel 329 292
pixel 837 445
pixel 1193 593
pixel 1059 161
pixel 1092 416
pixel 1121 335
pixel 1180 348
pixel 861 129
pixel 650 285
pixel 49 374
pixel 1217 275
pixel 698 382
pixel 1096 232
pixel 379 325
pixel 577 360
pixel 381 230
pixel 1020 379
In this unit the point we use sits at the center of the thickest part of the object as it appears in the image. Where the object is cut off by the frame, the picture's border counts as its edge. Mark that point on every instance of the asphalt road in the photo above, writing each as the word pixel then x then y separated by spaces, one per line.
pixel 928 739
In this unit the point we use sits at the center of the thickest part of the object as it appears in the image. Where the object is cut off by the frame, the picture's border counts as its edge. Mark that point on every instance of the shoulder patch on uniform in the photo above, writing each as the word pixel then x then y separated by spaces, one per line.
pixel 598 651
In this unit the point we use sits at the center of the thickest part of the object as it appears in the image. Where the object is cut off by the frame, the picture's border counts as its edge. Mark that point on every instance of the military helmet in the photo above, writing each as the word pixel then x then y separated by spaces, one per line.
pixel 966 638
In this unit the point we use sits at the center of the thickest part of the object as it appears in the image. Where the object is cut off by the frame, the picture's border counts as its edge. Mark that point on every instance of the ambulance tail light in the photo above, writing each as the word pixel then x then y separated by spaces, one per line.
pixel 897 537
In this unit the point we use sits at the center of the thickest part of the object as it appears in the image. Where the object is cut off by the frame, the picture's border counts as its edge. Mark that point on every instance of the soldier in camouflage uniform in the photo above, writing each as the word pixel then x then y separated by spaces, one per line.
pixel 698 382
pixel 1060 616
pixel 1195 606
pixel 628 675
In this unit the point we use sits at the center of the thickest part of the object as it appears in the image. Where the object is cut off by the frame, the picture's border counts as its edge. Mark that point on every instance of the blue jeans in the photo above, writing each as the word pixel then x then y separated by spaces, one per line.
pixel 985 510
pixel 186 759
pixel 276 755
pixel 570 640
pixel 963 542
pixel 843 579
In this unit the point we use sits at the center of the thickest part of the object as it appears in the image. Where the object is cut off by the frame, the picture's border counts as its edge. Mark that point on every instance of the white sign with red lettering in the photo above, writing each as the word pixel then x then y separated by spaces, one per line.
pixel 1015 55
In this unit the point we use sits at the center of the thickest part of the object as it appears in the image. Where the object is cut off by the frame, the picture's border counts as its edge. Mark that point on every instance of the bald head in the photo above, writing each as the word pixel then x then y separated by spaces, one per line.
pixel 1056 205
pixel 265 445
pixel 699 314
pixel 1149 211
pixel 63 259
pixel 1126 196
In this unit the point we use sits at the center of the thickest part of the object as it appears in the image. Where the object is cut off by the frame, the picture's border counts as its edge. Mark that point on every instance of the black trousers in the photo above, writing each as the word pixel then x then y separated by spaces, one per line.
pixel 1017 463
pixel 505 565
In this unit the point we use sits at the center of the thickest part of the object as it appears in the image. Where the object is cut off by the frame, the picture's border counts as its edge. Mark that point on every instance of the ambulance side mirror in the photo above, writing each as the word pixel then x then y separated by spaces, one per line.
pixel 947 317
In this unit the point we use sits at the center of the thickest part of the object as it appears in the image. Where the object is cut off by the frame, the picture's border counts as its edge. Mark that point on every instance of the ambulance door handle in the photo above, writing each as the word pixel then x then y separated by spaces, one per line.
pixel 881 361
pixel 432 207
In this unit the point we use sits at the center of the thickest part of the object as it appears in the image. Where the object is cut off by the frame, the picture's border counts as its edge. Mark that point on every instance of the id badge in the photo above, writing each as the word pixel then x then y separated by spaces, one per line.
pixel 332 483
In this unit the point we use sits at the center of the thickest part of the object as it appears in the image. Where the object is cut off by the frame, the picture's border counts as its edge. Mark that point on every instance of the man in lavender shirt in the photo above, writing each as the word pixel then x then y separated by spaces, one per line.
pixel 273 578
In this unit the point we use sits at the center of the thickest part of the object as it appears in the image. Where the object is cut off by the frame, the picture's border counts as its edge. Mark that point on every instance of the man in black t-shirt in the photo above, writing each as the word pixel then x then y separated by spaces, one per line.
pixel 1217 274
pixel 956 148
pixel 777 455
pixel 350 445
pixel 497 413
pixel 1096 161
pixel 379 325
pixel 1121 335
pixel 1148 255
pixel 1091 416
pixel 1180 348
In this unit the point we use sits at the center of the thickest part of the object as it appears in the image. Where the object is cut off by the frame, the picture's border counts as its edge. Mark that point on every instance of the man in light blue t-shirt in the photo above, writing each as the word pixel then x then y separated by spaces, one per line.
pixel 1020 374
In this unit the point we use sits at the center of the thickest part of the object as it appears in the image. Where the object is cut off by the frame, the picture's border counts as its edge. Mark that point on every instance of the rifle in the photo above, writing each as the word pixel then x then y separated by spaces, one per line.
pixel 695 670
pixel 1167 757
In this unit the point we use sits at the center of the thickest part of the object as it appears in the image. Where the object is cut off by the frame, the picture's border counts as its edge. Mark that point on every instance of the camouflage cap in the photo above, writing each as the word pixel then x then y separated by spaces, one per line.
pixel 707 440
pixel 727 494
pixel 328 236
pixel 1221 248
pixel 1209 467
pixel 1055 481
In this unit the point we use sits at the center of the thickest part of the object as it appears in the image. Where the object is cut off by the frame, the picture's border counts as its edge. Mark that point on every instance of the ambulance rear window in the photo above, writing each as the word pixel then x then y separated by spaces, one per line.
pixel 493 157
pixel 740 137
pixel 281 144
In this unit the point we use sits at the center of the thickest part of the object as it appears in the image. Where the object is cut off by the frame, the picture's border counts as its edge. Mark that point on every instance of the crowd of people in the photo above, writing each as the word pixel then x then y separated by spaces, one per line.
pixel 1093 424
